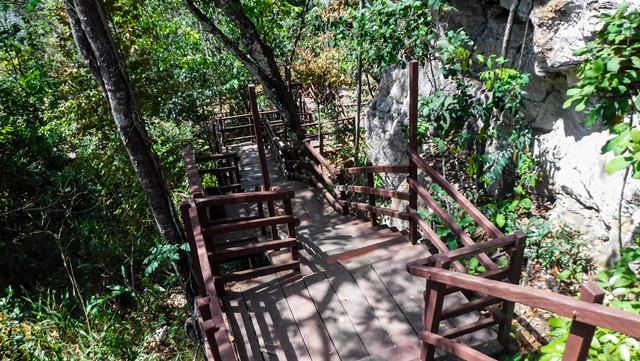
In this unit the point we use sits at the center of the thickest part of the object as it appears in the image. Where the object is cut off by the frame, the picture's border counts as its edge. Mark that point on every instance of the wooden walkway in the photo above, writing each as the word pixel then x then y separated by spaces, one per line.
pixel 353 300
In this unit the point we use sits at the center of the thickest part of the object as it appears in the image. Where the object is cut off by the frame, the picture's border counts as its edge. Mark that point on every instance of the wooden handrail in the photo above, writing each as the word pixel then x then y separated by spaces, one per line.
pixel 377 210
pixel 211 157
pixel 248 197
pixel 215 330
pixel 318 158
pixel 585 312
pixel 376 169
pixel 379 192
pixel 449 221
pixel 465 203
pixel 230 117
pixel 193 176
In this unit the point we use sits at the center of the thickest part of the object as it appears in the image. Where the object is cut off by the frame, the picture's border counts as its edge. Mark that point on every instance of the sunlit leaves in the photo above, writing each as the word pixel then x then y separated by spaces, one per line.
pixel 609 86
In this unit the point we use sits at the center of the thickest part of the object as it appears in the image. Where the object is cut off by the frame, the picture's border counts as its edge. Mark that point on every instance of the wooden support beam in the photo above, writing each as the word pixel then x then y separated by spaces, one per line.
pixel 581 334
pixel 413 143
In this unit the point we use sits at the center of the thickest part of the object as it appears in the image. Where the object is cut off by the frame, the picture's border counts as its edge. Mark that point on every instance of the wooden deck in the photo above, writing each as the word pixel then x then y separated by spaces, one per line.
pixel 353 300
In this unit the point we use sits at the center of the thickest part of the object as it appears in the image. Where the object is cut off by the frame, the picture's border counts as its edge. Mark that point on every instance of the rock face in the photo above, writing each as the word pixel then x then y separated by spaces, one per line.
pixel 584 195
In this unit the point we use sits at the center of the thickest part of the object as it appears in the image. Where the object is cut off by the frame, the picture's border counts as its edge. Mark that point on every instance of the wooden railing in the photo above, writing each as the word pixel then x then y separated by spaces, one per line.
pixel 371 191
pixel 207 304
pixel 225 167
pixel 587 312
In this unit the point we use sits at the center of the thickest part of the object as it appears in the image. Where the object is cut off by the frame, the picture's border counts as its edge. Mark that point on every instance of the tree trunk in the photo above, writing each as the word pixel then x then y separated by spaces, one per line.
pixel 96 45
pixel 257 56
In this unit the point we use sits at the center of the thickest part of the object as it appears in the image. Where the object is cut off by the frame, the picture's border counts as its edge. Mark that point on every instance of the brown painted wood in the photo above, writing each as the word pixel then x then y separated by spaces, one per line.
pixel 320 175
pixel 413 144
pixel 376 210
pixel 372 201
pixel 589 313
pixel 242 198
pixel 346 340
pixel 466 204
pixel 318 158
pixel 475 305
pixel 450 222
pixel 235 252
pixel 217 156
pixel 245 339
pixel 309 322
pixel 456 348
pixel 210 231
pixel 432 236
pixel 215 328
pixel 469 328
pixel 260 271
pixel 581 334
pixel 516 262
pixel 276 328
pixel 193 176
pixel 376 169
pixel 379 192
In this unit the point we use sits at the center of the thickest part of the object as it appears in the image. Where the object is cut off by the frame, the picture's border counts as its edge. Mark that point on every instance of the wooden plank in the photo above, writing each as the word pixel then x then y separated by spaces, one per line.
pixel 235 252
pixel 210 231
pixel 260 271
pixel 378 210
pixel 589 313
pixel 193 176
pixel 580 335
pixel 240 198
pixel 372 333
pixel 386 309
pixel 245 339
pixel 450 222
pixel 319 158
pixel 458 349
pixel 312 329
pixel 475 305
pixel 379 192
pixel 466 204
pixel 337 322
pixel 433 238
pixel 212 157
pixel 276 328
pixel 376 169
pixel 469 328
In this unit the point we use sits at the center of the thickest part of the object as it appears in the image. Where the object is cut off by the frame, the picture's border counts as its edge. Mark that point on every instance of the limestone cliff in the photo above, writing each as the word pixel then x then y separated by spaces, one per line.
pixel 584 196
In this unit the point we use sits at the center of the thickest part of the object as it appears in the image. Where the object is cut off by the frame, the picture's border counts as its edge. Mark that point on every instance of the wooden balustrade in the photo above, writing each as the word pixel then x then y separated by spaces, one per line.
pixel 587 312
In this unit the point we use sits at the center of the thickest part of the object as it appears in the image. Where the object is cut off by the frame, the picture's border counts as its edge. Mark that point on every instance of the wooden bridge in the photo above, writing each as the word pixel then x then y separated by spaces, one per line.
pixel 292 262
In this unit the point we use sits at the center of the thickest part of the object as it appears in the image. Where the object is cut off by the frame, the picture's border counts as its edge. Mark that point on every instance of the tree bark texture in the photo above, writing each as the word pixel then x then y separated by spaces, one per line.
pixel 256 55
pixel 96 46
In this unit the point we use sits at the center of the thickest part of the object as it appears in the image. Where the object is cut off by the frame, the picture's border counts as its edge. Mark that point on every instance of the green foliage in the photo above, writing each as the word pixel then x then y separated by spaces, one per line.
pixel 622 285
pixel 557 248
pixel 609 86
pixel 389 32
pixel 459 119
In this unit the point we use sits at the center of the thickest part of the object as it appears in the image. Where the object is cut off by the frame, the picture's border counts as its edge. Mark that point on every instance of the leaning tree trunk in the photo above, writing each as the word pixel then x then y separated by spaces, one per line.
pixel 96 45
pixel 256 55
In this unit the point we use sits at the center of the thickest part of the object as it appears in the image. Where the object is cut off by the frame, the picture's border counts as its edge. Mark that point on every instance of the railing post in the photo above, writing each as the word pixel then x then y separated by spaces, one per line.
pixel 413 144
pixel 433 299
pixel 580 335
pixel 291 228
pixel 372 197
pixel 342 196
pixel 266 181
pixel 516 255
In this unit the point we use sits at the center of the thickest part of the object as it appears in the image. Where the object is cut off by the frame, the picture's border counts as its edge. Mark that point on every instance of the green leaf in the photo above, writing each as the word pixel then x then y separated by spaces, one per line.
pixel 582 105
pixel 613 65
pixel 616 164
pixel 526 203
pixel 598 67
pixel 500 220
